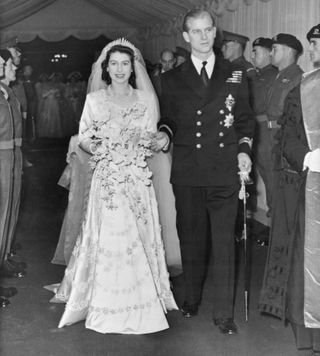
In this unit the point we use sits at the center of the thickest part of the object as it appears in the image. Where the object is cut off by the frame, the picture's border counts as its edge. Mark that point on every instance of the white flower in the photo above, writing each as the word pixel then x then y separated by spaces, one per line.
pixel 229 120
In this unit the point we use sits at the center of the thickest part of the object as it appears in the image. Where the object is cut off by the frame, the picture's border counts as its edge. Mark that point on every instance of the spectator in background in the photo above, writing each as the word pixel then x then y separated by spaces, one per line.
pixel 286 50
pixel 75 93
pixel 18 88
pixel 49 121
pixel 11 44
pixel 233 47
pixel 261 83
pixel 291 282
pixel 29 124
pixel 167 62
pixel 181 55
pixel 10 168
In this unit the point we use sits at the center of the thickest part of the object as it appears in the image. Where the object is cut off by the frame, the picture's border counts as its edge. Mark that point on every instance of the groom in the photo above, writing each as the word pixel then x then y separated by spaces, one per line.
pixel 205 112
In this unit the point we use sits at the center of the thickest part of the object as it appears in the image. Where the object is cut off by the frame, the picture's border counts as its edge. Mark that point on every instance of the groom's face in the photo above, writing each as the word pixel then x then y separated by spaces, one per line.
pixel 201 34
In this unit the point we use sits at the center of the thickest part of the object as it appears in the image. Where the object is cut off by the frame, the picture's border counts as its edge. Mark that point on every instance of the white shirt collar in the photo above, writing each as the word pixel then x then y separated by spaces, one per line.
pixel 209 66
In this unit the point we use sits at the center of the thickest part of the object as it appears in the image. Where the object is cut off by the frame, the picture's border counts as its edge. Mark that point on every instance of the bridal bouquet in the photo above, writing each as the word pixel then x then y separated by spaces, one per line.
pixel 119 155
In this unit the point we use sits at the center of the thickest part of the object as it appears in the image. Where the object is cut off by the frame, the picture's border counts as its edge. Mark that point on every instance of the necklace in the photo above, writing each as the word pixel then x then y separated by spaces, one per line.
pixel 123 99
pixel 124 95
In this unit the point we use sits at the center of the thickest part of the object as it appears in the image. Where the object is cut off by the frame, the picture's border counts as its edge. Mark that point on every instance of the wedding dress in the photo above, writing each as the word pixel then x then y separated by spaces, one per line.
pixel 77 179
pixel 117 280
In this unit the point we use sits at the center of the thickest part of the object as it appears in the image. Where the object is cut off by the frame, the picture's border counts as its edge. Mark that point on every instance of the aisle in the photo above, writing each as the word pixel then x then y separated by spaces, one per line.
pixel 29 326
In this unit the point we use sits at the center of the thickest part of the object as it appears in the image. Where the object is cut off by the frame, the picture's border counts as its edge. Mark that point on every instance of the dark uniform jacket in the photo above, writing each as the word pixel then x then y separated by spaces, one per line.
pixel 282 295
pixel 261 84
pixel 10 119
pixel 210 125
pixel 251 71
pixel 287 79
pixel 31 95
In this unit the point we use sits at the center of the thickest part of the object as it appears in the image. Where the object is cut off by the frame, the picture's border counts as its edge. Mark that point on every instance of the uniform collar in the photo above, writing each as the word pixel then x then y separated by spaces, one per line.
pixel 4 90
pixel 292 68
pixel 209 66
pixel 266 68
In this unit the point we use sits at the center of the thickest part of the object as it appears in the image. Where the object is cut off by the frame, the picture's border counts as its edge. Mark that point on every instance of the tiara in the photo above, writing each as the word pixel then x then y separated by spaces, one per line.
pixel 122 42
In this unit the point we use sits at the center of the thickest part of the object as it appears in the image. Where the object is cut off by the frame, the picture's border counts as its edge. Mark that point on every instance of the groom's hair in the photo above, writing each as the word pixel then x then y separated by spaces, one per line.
pixel 195 13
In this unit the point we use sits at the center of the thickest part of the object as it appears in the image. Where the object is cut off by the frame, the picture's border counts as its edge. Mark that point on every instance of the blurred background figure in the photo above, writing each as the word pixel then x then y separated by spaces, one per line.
pixel 167 62
pixel 181 54
pixel 75 93
pixel 12 46
pixel 261 83
pixel 49 122
pixel 29 124
pixel 41 83
pixel 10 167
pixel 233 47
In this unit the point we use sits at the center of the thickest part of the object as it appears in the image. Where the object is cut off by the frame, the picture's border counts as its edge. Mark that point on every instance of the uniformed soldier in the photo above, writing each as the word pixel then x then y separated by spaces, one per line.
pixel 266 74
pixel 11 44
pixel 290 289
pixel 286 50
pixel 233 47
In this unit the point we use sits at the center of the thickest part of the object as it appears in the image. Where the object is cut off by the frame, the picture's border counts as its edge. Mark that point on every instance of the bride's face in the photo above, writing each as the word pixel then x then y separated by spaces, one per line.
pixel 119 67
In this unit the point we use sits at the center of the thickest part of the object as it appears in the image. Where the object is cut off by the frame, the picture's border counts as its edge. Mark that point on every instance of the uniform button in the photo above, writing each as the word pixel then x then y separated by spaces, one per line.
pixel 221 122
pixel 199 123
pixel 199 112
pixel 221 145
pixel 221 134
pixel 198 134
pixel 198 145
pixel 221 111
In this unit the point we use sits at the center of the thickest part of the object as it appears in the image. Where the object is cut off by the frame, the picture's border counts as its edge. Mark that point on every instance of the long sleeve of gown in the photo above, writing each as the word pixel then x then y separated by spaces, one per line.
pixel 86 124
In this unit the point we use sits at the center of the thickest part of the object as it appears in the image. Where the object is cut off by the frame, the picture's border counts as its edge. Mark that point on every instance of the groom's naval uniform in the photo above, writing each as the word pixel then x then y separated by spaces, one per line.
pixel 209 126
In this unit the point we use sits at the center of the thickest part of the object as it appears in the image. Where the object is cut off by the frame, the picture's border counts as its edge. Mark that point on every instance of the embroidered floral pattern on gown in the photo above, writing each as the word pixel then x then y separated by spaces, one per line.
pixel 117 278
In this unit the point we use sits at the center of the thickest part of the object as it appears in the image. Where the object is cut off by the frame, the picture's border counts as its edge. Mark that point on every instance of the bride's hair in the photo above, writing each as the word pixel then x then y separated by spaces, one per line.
pixel 122 49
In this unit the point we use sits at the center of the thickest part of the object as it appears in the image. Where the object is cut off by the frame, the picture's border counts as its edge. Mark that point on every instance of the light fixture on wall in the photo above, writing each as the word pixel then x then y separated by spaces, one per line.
pixel 58 57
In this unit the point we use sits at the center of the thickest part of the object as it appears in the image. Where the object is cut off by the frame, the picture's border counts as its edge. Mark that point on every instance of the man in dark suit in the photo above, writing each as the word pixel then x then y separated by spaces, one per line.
pixel 205 111
pixel 166 62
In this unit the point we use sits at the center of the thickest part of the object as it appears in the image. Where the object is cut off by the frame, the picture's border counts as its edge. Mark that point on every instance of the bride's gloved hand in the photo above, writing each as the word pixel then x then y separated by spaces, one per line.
pixel 160 141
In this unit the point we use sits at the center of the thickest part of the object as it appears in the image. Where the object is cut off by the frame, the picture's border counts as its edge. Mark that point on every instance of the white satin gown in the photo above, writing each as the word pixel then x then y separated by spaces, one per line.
pixel 117 279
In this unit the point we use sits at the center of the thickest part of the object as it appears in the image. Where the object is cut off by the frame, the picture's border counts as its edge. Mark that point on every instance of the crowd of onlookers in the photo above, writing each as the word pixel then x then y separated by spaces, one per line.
pixel 51 103
pixel 47 107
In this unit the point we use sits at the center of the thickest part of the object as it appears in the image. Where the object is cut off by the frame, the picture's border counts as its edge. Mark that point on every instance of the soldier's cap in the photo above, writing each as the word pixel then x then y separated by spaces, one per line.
pixel 288 40
pixel 11 42
pixel 263 42
pixel 234 37
pixel 180 51
pixel 314 32
pixel 5 54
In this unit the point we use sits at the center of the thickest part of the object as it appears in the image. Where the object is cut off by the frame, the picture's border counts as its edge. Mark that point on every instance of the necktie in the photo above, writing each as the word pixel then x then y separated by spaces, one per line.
pixel 204 74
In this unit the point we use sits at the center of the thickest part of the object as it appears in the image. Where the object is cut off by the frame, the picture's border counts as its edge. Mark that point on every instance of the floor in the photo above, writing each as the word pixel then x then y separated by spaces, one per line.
pixel 28 327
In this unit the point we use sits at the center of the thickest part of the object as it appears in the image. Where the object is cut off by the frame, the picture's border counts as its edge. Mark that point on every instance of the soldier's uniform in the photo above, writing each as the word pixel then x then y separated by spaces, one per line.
pixel 286 80
pixel 241 61
pixel 11 167
pixel 261 85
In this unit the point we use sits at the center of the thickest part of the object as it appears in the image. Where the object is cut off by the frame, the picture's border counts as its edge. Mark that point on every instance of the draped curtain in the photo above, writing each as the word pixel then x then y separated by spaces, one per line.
pixel 156 24
pixel 13 11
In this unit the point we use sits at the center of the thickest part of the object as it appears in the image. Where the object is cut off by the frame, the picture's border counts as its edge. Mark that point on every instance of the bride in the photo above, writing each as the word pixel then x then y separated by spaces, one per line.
pixel 116 279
